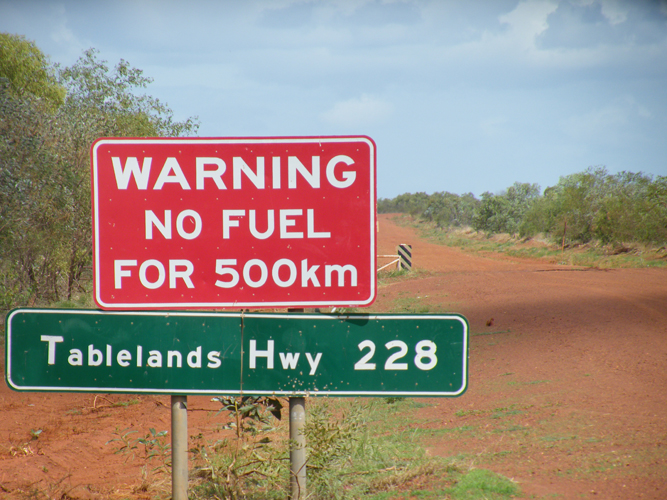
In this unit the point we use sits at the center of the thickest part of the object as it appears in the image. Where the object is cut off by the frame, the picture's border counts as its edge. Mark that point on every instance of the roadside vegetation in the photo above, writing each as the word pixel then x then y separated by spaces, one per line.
pixel 49 118
pixel 591 218
pixel 593 254
pixel 357 448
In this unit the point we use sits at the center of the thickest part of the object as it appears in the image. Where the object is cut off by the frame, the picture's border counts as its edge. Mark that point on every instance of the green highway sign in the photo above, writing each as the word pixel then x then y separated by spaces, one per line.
pixel 196 353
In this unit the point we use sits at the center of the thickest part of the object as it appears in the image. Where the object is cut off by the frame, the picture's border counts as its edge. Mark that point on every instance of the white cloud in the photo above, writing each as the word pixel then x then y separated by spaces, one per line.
pixel 359 111
pixel 615 11
pixel 528 20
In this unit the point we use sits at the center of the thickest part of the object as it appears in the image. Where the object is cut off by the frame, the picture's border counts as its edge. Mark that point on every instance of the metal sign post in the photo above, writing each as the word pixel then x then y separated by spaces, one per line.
pixel 297 454
pixel 179 447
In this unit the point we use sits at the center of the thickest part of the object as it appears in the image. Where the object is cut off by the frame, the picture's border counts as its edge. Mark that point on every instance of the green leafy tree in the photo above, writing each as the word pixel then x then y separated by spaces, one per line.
pixel 100 102
pixel 594 205
pixel 443 208
pixel 29 97
pixel 505 212
pixel 28 71
pixel 654 214
pixel 451 210
pixel 25 204
pixel 45 221
pixel 413 204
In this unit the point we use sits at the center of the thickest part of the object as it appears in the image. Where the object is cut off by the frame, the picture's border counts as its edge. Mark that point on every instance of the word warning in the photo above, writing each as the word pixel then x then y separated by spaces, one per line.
pixel 231 223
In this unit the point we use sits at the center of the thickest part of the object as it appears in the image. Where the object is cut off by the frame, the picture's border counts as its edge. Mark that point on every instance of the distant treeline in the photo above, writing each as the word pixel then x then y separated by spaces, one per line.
pixel 591 205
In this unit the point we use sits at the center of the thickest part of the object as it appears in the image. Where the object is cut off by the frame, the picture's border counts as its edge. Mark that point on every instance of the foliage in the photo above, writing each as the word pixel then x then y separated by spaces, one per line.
pixel 587 206
pixel 247 413
pixel 251 471
pixel 251 466
pixel 451 210
pixel 594 205
pixel 481 483
pixel 505 212
pixel 413 204
pixel 30 199
pixel 49 118
pixel 104 103
pixel 443 208
pixel 349 455
pixel 331 445
pixel 27 71
pixel 155 446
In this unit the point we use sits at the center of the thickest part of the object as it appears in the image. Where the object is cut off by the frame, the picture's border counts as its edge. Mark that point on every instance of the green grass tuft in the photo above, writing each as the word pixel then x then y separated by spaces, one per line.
pixel 481 483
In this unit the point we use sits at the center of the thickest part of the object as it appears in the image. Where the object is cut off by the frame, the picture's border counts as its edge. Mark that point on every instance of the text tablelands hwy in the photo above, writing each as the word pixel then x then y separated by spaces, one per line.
pixel 233 353
pixel 233 223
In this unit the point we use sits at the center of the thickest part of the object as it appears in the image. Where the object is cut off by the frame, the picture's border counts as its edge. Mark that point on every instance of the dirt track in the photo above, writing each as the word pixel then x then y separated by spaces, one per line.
pixel 567 392
pixel 574 360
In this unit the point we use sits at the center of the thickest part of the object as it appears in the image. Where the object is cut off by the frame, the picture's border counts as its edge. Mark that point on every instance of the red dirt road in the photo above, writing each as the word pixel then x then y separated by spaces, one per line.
pixel 568 370
pixel 567 391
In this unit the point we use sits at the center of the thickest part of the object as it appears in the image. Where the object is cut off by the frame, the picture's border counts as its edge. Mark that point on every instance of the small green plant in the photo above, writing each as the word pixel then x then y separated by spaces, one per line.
pixel 466 413
pixel 395 273
pixel 155 446
pixel 124 404
pixel 126 445
pixel 331 443
pixel 250 414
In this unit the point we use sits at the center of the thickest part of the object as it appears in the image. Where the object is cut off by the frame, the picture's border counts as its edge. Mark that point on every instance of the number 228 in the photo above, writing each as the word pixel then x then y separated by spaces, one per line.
pixel 425 358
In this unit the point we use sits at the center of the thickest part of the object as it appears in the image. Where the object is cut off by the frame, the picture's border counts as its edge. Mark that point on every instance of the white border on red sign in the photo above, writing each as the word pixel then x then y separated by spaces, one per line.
pixel 231 140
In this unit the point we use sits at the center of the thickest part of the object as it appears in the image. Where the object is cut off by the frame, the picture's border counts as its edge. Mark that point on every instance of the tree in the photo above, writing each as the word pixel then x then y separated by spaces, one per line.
pixel 29 96
pixel 505 212
pixel 594 205
pixel 101 103
pixel 447 209
pixel 45 229
pixel 28 70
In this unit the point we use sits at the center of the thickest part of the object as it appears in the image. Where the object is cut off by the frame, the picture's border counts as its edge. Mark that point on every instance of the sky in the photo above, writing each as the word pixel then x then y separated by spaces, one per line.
pixel 459 96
